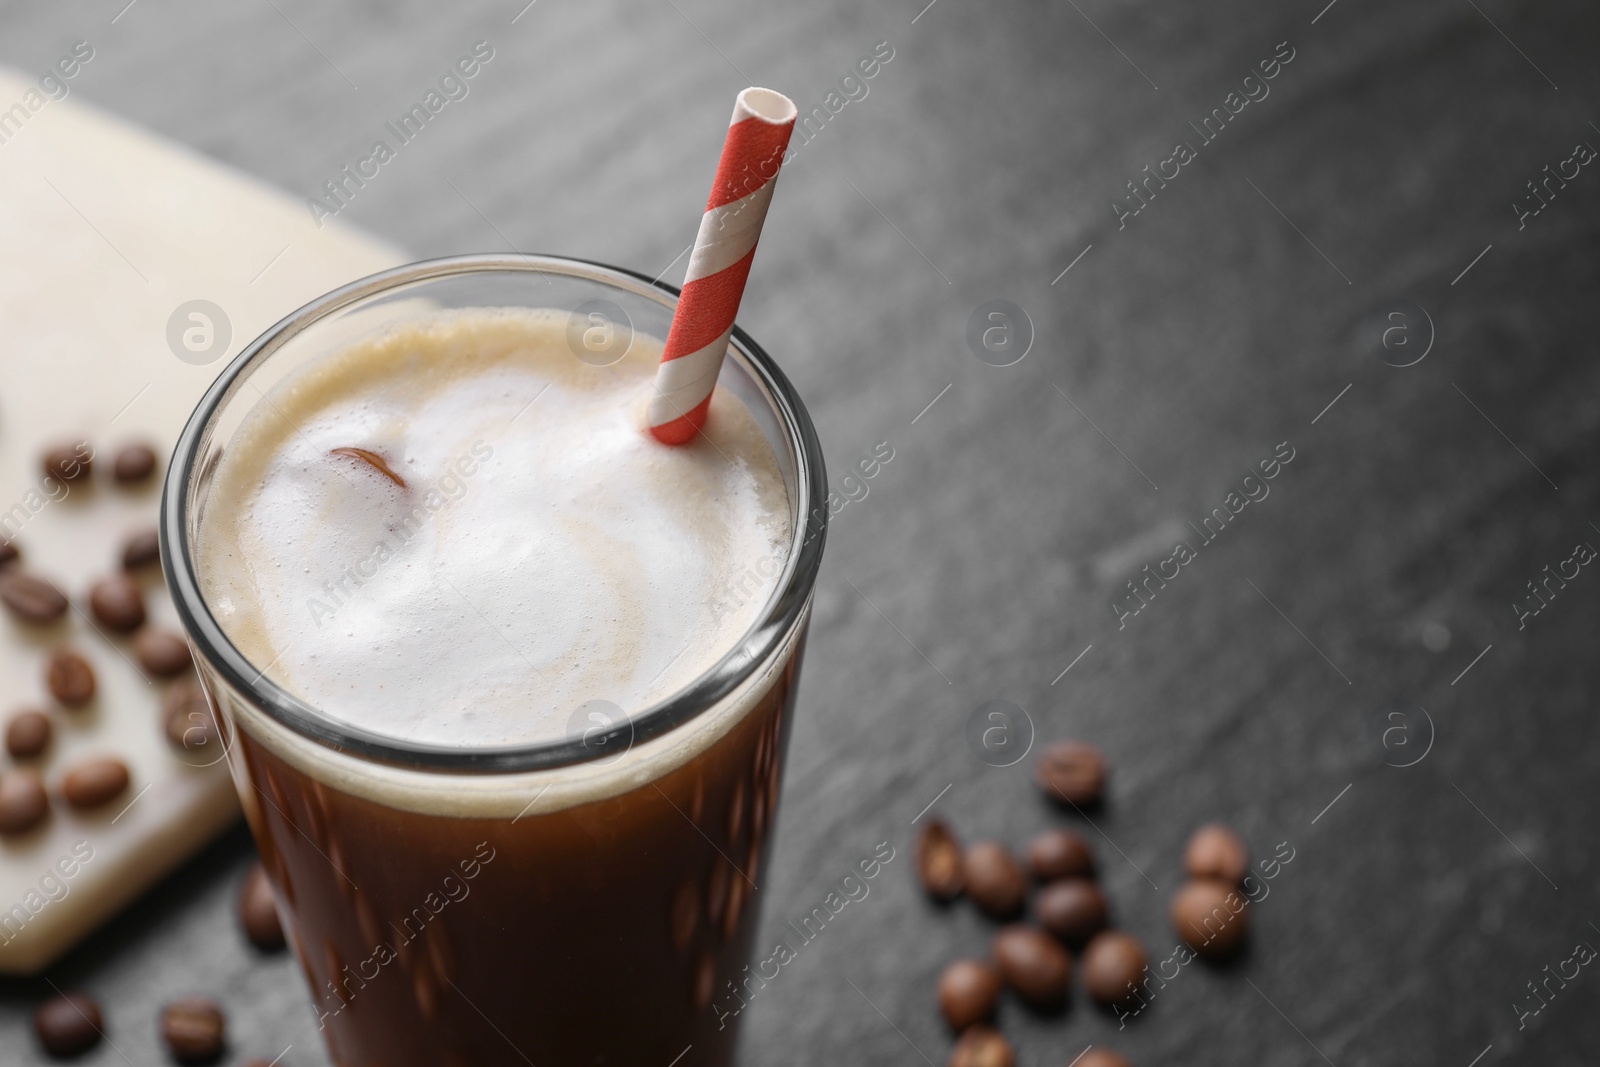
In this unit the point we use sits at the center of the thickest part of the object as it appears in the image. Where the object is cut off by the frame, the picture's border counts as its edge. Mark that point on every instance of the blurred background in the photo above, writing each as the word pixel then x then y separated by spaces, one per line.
pixel 1161 338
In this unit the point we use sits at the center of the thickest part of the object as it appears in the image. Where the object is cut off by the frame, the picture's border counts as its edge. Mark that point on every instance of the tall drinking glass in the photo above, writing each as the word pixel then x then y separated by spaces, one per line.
pixel 581 900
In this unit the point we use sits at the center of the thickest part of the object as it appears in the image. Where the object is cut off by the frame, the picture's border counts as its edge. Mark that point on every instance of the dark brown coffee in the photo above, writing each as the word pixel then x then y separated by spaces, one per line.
pixel 597 934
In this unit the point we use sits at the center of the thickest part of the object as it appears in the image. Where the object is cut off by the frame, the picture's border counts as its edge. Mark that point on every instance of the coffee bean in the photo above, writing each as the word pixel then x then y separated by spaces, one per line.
pixel 141 549
pixel 162 652
pixel 1101 1057
pixel 193 1029
pixel 134 463
pixel 23 803
pixel 93 782
pixel 118 603
pixel 1060 854
pixel 1073 909
pixel 1071 772
pixel 1209 917
pixel 69 677
pixel 1215 851
pixel 68 1024
pixel 938 856
pixel 8 553
pixel 994 880
pixel 69 462
pixel 980 1046
pixel 1113 967
pixel 1034 964
pixel 31 599
pixel 28 734
pixel 187 714
pixel 258 914
pixel 968 990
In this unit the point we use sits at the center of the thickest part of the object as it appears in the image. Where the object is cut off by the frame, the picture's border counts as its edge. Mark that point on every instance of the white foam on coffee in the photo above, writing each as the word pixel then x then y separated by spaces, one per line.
pixel 545 551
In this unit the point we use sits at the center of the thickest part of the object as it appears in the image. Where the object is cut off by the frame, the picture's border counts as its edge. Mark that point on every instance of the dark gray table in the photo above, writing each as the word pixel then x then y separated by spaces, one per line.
pixel 1181 347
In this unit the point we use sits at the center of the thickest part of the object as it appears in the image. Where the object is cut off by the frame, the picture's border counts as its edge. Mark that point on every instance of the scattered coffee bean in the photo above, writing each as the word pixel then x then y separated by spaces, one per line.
pixel 193 1029
pixel 1034 964
pixel 1101 1057
pixel 938 856
pixel 69 462
pixel 1060 854
pixel 1209 917
pixel 968 990
pixel 134 463
pixel 1113 967
pixel 69 677
pixel 68 1024
pixel 8 553
pixel 1215 851
pixel 994 880
pixel 980 1046
pixel 257 912
pixel 118 603
pixel 28 734
pixel 93 782
pixel 31 599
pixel 187 715
pixel 1073 909
pixel 23 803
pixel 162 652
pixel 1071 772
pixel 141 549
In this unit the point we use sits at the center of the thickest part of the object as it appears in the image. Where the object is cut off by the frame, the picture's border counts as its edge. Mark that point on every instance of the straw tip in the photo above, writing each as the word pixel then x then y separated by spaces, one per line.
pixel 768 105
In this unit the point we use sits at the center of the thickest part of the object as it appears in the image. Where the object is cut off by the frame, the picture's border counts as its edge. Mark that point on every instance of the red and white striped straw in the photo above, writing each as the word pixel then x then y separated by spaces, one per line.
pixel 758 137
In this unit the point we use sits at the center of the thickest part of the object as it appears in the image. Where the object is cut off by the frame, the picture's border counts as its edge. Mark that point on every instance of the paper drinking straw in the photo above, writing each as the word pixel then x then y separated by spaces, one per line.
pixel 757 138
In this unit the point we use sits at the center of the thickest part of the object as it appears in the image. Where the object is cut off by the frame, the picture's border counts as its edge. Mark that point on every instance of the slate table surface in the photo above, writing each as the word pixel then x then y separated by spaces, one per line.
pixel 1184 345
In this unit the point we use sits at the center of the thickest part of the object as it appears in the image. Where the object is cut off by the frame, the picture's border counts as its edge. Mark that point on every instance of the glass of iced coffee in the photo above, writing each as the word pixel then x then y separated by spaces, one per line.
pixel 503 682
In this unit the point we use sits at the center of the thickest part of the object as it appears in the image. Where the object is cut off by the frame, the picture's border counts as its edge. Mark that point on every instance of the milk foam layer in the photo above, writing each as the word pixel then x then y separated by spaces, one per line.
pixel 543 553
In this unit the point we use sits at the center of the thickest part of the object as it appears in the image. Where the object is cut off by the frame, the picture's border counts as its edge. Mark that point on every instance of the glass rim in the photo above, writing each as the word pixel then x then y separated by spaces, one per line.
pixel 783 612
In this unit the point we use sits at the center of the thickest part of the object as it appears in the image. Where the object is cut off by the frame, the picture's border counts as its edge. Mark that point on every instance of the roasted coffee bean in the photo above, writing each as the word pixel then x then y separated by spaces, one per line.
pixel 1209 917
pixel 189 724
pixel 1071 772
pixel 162 652
pixel 92 782
pixel 1034 964
pixel 968 990
pixel 1073 909
pixel 69 462
pixel 994 880
pixel 28 734
pixel 23 803
pixel 193 1029
pixel 257 912
pixel 69 677
pixel 1060 854
pixel 1113 967
pixel 980 1046
pixel 31 599
pixel 118 603
pixel 68 1024
pixel 939 861
pixel 1215 851
pixel 8 553
pixel 134 463
pixel 1101 1057
pixel 141 549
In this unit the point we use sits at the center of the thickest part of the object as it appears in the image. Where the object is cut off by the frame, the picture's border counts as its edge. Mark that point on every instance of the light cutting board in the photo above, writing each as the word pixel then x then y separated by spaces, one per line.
pixel 105 230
